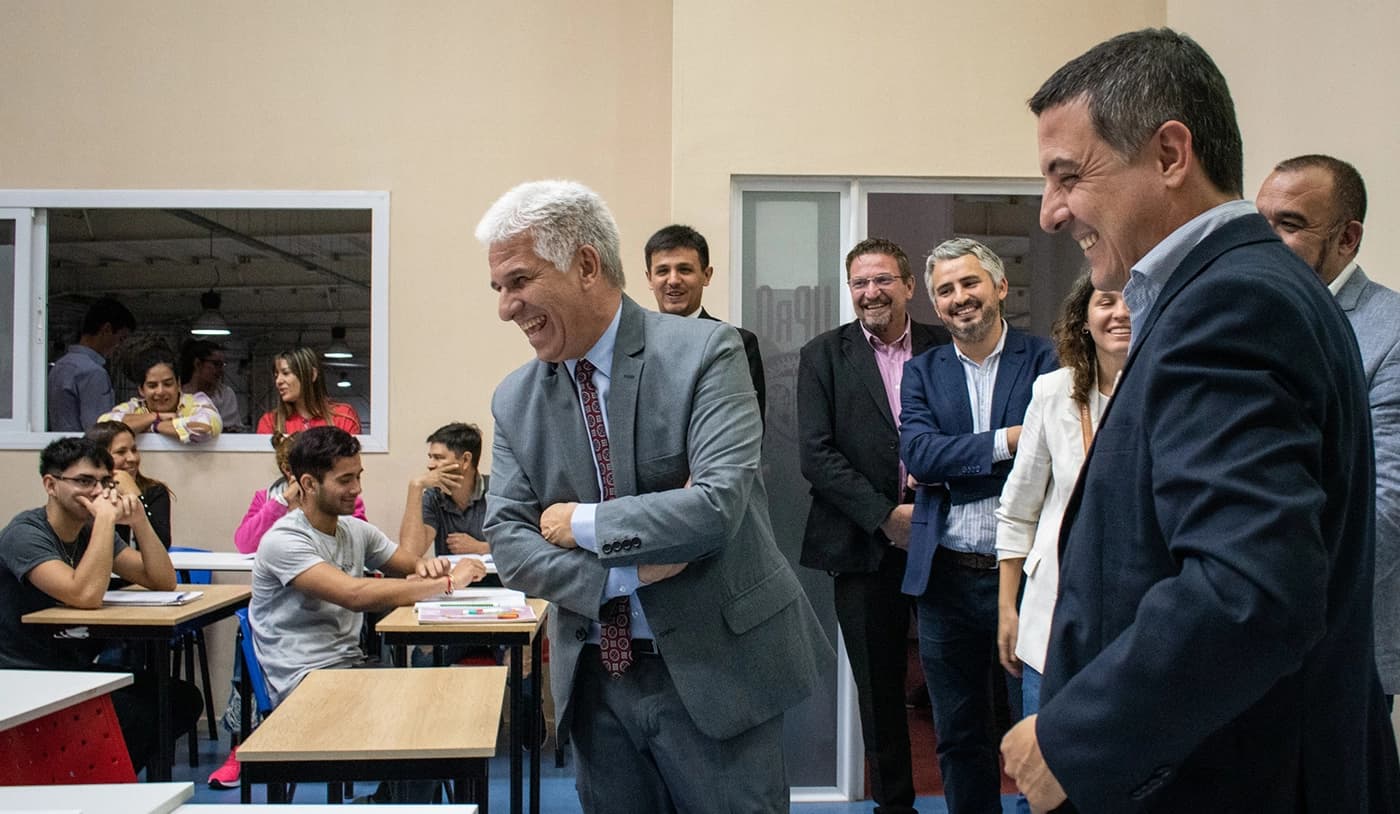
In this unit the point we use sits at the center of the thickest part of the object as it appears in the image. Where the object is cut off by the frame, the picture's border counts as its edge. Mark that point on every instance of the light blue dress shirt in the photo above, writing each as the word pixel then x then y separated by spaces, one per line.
pixel 972 527
pixel 622 581
pixel 1150 274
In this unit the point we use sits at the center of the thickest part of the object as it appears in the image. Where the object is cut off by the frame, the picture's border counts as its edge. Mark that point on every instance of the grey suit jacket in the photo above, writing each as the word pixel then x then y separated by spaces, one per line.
pixel 1374 312
pixel 735 629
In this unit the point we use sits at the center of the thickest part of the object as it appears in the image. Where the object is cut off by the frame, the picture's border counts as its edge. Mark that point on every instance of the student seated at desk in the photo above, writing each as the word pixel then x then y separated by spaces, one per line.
pixel 267 507
pixel 447 503
pixel 120 441
pixel 308 585
pixel 64 552
pixel 272 504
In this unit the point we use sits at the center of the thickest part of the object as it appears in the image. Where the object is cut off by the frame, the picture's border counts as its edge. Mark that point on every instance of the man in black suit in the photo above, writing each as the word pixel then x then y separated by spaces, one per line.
pixel 678 269
pixel 1211 649
pixel 858 527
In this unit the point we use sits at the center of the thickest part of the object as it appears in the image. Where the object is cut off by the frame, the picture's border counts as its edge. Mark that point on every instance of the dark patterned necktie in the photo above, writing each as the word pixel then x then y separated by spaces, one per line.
pixel 615 626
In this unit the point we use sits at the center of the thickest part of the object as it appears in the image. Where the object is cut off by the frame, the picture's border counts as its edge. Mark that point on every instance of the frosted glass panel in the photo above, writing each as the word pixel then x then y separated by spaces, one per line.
pixel 791 276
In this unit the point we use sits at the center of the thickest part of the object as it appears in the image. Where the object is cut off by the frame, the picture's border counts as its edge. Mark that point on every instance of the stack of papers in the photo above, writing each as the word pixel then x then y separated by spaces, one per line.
pixel 150 597
pixel 475 605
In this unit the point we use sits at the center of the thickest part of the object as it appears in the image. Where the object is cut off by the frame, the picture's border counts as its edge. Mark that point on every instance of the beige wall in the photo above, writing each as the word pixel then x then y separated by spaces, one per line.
pixel 1312 77
pixel 445 105
pixel 828 87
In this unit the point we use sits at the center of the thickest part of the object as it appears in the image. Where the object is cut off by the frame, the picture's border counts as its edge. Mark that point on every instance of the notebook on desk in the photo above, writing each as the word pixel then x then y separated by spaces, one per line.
pixel 147 598
pixel 475 605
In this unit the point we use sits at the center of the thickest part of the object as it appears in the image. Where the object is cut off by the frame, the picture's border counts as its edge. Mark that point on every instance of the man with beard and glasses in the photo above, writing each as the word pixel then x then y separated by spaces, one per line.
pixel 961 419
pixel 848 410
pixel 309 585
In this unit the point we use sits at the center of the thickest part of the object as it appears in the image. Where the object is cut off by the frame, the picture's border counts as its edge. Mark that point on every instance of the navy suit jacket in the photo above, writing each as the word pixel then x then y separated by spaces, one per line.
pixel 1211 647
pixel 950 461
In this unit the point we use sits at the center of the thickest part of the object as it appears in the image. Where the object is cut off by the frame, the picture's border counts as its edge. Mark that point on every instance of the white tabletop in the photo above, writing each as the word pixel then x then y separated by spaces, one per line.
pixel 211 561
pixel 231 809
pixel 486 560
pixel 29 694
pixel 234 561
pixel 108 798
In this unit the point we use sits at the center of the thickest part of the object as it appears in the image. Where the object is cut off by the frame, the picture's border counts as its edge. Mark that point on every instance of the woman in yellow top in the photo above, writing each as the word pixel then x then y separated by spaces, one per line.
pixel 161 408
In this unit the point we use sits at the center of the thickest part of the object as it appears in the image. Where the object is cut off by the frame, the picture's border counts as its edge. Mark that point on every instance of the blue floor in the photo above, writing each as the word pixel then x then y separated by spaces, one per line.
pixel 557 794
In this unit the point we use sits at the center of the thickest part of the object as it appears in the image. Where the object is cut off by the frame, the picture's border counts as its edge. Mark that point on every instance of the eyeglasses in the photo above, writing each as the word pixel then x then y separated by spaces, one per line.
pixel 88 481
pixel 878 281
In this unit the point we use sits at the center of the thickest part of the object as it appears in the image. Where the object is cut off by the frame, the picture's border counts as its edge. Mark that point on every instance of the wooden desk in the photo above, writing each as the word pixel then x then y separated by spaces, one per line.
pixel 153 626
pixel 112 798
pixel 32 694
pixel 400 629
pixel 339 725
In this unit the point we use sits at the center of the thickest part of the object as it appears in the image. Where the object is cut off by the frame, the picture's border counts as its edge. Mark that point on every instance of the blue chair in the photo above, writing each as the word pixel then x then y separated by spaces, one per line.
pixel 255 680
pixel 187 643
pixel 252 669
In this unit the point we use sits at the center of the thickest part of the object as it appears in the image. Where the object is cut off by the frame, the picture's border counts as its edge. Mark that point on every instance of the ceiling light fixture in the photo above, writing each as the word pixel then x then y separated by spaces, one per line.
pixel 338 348
pixel 344 382
pixel 210 322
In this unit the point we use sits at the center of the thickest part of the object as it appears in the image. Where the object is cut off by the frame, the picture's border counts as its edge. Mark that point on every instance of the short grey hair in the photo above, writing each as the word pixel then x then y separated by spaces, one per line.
pixel 961 247
pixel 562 217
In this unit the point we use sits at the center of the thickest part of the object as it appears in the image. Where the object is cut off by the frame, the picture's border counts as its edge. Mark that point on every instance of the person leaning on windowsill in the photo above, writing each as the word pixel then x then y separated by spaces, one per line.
pixel 160 407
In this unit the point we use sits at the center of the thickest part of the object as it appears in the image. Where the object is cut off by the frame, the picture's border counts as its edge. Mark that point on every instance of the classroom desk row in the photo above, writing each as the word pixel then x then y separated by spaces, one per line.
pixel 160 798
pixel 340 746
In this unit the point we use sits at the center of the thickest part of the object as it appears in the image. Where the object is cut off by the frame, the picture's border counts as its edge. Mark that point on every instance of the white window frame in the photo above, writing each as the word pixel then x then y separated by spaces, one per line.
pixel 31 299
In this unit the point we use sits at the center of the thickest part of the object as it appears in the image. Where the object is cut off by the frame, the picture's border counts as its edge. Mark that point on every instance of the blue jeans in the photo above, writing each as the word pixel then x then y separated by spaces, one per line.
pixel 1030 690
pixel 957 645
pixel 1030 705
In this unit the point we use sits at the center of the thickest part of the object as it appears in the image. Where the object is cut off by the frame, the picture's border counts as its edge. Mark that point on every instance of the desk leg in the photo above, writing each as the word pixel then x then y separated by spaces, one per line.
pixel 158 662
pixel 245 716
pixel 517 726
pixel 536 717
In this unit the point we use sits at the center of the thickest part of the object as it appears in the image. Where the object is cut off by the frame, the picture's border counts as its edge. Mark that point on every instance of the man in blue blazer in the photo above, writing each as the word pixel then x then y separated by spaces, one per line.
pixel 961 411
pixel 1211 647
pixel 1317 205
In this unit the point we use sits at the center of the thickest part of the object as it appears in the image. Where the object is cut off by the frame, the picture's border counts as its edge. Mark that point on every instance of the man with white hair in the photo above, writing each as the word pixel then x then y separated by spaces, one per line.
pixel 626 490
pixel 959 425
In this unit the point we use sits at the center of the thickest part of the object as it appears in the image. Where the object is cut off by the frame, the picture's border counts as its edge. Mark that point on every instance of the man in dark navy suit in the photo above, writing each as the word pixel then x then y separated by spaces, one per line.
pixel 1211 649
pixel 962 409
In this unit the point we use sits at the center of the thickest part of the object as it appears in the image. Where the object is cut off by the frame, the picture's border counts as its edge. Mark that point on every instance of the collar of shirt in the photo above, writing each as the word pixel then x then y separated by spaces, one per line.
pixel 445 500
pixel 601 354
pixel 1150 274
pixel 995 354
pixel 89 354
pixel 1336 285
pixel 696 313
pixel 904 342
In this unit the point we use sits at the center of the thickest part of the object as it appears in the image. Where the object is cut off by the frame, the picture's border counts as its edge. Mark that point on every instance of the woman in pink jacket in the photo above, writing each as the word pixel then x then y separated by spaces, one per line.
pixel 272 504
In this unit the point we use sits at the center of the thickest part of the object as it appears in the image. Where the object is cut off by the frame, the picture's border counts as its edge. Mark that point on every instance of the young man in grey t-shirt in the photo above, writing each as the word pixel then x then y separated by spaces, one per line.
pixel 64 553
pixel 308 586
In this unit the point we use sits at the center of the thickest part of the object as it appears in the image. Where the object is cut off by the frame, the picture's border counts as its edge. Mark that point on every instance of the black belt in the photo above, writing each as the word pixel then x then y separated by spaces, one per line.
pixel 966 559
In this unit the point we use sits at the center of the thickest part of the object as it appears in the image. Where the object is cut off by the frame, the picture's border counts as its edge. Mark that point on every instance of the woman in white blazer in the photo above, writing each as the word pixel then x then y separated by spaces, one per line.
pixel 1092 337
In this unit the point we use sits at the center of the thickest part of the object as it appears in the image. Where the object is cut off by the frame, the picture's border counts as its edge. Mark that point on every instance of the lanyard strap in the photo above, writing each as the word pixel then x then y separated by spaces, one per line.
pixel 1086 427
